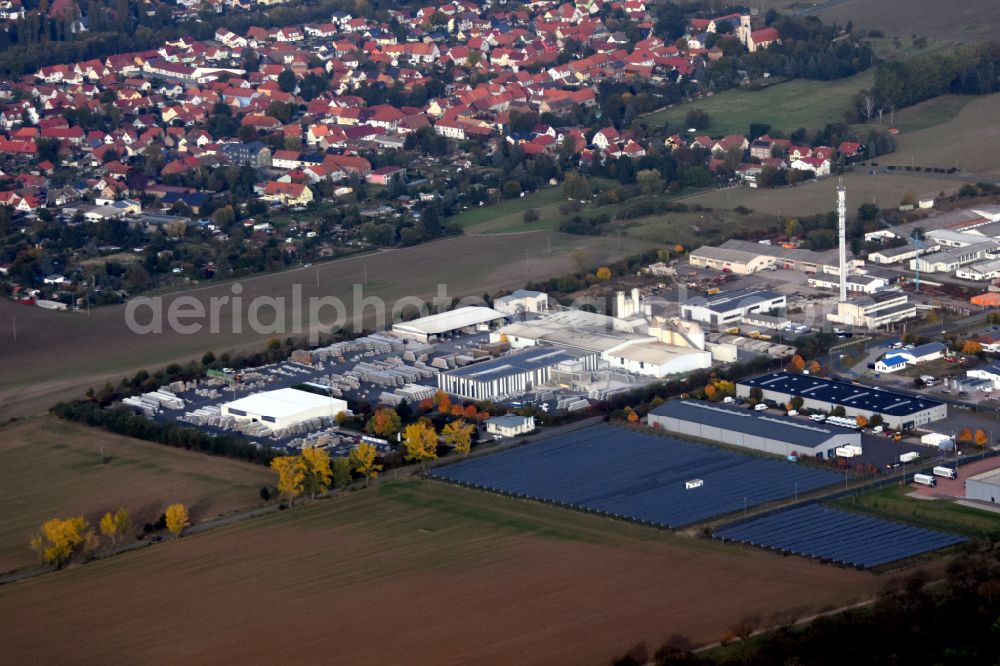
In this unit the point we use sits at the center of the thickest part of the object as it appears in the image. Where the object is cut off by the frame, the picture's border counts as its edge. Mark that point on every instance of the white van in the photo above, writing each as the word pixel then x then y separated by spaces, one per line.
pixel 760 407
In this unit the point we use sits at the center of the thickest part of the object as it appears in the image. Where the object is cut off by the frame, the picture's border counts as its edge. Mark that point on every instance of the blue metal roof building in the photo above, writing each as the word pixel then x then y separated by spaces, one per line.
pixel 899 411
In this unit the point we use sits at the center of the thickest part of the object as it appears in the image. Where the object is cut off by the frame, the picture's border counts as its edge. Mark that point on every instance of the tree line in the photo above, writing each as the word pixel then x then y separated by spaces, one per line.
pixel 971 70
pixel 59 540
pixel 121 420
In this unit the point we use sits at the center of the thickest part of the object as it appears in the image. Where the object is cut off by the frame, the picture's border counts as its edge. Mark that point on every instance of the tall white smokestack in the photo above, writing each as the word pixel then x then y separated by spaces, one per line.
pixel 842 231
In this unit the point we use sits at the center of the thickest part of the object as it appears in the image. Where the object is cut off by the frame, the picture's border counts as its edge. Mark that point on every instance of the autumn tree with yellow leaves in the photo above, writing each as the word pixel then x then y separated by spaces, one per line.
pixel 291 476
pixel 420 441
pixel 458 435
pixel 317 474
pixel 115 526
pixel 177 519
pixel 342 472
pixel 59 539
pixel 981 438
pixel 861 420
pixel 363 457
pixel 603 274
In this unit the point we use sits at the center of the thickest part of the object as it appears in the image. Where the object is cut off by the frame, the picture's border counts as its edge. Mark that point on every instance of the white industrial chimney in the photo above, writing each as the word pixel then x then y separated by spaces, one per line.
pixel 842 235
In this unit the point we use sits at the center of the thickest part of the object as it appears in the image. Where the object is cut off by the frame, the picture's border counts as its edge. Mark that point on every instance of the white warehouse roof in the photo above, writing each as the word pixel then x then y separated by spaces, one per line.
pixel 285 403
pixel 452 320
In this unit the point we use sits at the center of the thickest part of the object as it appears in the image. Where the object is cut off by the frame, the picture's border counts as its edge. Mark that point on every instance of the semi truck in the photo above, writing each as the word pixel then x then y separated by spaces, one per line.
pixel 946 472
pixel 908 457
pixel 924 480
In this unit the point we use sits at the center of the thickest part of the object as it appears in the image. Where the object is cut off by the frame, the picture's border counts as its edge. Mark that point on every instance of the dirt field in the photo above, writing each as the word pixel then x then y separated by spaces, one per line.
pixel 962 20
pixel 59 355
pixel 50 468
pixel 413 573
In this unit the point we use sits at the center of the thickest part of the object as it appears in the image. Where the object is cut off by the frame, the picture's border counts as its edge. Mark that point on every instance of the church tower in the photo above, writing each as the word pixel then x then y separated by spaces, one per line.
pixel 743 32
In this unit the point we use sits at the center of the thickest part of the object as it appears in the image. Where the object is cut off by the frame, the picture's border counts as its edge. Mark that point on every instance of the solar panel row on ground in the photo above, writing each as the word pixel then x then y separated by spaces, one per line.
pixel 837 536
pixel 637 476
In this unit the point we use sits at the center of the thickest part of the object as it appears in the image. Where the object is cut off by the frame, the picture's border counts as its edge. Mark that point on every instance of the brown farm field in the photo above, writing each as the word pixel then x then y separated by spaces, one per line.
pixel 410 573
pixel 961 20
pixel 59 355
pixel 51 468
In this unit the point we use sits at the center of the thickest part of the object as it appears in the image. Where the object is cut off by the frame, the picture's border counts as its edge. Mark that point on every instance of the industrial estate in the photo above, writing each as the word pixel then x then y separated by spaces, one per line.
pixel 735 404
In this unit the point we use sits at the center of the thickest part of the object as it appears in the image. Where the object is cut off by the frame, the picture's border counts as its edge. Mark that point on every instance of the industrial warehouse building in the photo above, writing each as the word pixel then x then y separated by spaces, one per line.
pixel 875 311
pixel 522 300
pixel 984 487
pixel 729 307
pixel 432 327
pixel 283 408
pixel 745 257
pixel 898 410
pixel 509 375
pixel 750 429
pixel 668 347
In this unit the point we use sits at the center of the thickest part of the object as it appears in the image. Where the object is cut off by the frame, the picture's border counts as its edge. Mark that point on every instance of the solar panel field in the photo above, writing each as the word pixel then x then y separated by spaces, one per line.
pixel 837 536
pixel 636 476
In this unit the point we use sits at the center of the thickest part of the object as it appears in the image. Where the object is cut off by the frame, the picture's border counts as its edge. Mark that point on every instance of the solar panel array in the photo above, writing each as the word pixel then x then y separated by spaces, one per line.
pixel 837 536
pixel 637 476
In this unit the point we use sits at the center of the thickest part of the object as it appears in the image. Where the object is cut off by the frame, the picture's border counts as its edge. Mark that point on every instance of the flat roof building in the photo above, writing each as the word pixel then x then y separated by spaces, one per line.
pixel 898 410
pixel 984 487
pixel 434 326
pixel 761 431
pixel 874 311
pixel 511 375
pixel 729 307
pixel 952 259
pixel 522 300
pixel 283 408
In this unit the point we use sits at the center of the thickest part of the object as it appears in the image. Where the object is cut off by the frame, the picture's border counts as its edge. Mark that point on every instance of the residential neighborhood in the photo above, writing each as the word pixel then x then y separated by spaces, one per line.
pixel 367 120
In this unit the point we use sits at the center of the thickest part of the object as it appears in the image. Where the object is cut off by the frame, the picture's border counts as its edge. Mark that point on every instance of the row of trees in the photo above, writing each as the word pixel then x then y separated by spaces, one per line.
pixel 60 539
pixel 313 472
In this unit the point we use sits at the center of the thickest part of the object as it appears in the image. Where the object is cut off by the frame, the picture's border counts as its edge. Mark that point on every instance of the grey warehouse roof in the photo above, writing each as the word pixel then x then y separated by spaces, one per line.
pixel 514 364
pixel 841 393
pixel 760 424
pixel 726 301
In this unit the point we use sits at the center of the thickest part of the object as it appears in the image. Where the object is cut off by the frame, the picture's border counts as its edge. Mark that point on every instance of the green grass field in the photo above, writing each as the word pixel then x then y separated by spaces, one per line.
pixel 507 215
pixel 785 106
pixel 694 229
pixel 892 503
pixel 52 468
pixel 928 114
